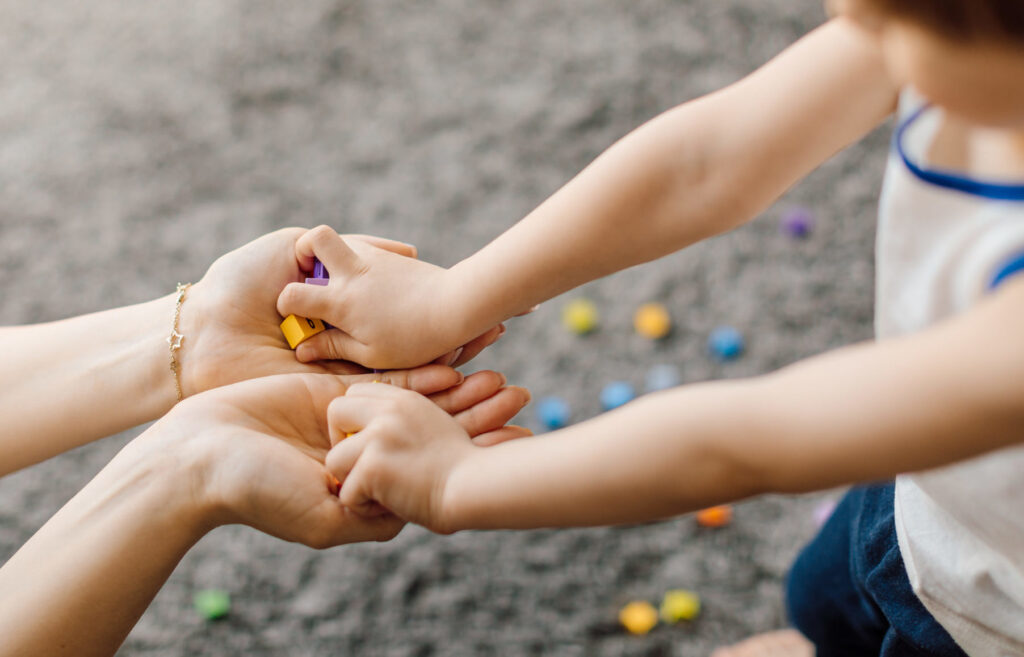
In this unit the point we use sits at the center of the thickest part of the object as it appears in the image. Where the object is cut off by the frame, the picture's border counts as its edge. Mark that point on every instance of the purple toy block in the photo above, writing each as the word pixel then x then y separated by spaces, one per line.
pixel 318 281
pixel 319 271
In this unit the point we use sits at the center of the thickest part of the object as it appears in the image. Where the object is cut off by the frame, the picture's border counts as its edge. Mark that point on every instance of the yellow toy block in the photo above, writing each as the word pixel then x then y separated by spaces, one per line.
pixel 299 329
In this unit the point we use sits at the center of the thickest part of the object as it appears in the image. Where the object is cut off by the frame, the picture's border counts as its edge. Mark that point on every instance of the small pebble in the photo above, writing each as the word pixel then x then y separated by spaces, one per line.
pixel 725 343
pixel 616 394
pixel 652 321
pixel 553 412
pixel 638 617
pixel 212 604
pixel 580 316
pixel 662 377
pixel 680 605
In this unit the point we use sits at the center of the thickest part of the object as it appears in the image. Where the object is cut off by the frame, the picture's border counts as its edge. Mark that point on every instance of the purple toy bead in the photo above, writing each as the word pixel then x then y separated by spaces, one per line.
pixel 797 222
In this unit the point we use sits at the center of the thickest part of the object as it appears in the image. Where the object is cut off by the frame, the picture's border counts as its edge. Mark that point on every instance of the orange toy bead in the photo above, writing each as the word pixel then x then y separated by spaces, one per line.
pixel 716 516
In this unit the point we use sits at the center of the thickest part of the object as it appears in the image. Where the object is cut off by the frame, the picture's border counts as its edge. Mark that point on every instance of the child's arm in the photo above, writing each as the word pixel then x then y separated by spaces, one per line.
pixel 861 413
pixel 700 169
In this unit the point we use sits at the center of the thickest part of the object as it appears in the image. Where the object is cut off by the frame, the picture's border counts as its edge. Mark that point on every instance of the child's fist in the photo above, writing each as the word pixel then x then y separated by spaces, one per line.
pixel 388 309
pixel 403 448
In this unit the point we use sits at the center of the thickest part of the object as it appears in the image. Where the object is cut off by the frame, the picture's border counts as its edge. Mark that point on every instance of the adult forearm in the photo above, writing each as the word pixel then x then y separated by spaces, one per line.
pixel 69 382
pixel 80 584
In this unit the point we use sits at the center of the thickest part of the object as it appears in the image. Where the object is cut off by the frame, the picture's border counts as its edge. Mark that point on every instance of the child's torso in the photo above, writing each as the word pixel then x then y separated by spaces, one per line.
pixel 944 240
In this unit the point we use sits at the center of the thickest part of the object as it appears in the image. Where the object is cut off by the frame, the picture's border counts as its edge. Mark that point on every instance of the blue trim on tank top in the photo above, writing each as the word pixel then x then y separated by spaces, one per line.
pixel 949 180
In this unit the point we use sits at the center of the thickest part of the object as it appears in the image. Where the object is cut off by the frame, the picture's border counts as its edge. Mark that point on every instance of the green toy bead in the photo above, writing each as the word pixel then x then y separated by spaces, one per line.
pixel 212 604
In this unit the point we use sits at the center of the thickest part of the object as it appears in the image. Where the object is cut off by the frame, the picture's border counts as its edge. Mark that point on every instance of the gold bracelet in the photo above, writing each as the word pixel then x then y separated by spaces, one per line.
pixel 175 339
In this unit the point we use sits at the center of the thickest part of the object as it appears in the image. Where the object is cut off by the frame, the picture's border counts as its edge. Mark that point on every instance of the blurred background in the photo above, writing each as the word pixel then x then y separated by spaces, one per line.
pixel 139 141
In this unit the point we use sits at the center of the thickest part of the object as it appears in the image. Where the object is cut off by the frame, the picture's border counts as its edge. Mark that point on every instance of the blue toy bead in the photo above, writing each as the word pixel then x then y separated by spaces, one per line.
pixel 616 394
pixel 662 377
pixel 725 343
pixel 553 412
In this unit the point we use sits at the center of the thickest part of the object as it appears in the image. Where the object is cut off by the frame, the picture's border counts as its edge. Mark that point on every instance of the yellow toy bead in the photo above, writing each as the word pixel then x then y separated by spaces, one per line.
pixel 580 316
pixel 299 329
pixel 652 321
pixel 638 617
pixel 680 605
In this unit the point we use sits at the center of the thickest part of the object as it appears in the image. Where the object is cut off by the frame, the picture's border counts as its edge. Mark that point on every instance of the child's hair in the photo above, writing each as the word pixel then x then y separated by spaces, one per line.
pixel 962 20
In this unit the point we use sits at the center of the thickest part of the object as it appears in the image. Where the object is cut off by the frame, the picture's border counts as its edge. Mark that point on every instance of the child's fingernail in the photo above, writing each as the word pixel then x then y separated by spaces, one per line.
pixel 455 356
pixel 504 379
pixel 501 330
pixel 462 377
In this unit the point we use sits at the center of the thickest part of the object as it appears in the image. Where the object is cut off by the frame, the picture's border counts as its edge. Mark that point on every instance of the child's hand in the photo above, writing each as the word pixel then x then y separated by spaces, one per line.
pixel 389 310
pixel 402 454
pixel 230 321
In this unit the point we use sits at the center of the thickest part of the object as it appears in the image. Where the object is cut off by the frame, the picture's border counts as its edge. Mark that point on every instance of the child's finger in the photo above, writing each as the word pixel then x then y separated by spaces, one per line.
pixel 333 344
pixel 314 301
pixel 472 348
pixel 348 415
pixel 323 242
pixel 493 413
pixel 394 246
pixel 498 436
pixel 343 456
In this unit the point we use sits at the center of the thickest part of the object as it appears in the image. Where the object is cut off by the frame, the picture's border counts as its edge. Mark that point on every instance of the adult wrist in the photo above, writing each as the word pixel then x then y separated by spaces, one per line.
pixel 167 475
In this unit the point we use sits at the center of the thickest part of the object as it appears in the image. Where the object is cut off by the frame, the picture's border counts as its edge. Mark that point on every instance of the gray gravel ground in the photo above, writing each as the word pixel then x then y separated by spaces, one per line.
pixel 138 141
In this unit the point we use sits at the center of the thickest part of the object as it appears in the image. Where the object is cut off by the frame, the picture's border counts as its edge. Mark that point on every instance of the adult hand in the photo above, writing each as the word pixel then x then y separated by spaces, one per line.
pixel 256 449
pixel 231 325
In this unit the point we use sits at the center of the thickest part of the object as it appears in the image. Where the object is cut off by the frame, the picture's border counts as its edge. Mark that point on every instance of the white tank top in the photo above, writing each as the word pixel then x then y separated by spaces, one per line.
pixel 944 241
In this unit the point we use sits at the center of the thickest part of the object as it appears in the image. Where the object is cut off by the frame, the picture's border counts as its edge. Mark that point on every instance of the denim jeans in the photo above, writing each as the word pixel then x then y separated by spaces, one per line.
pixel 848 591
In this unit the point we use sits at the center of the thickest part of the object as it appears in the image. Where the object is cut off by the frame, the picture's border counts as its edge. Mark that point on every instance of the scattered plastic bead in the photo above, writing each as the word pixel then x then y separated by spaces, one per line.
pixel 212 604
pixel 662 377
pixel 823 511
pixel 638 617
pixel 797 222
pixel 617 393
pixel 680 605
pixel 580 316
pixel 297 329
pixel 716 516
pixel 553 412
pixel 652 321
pixel 725 343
